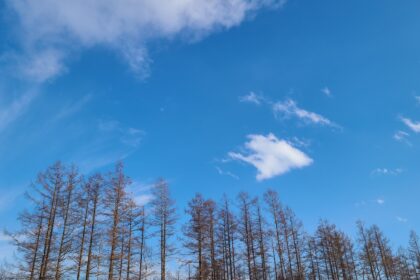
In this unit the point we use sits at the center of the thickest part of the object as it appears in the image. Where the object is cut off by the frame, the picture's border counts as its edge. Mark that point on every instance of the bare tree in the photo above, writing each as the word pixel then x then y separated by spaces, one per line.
pixel 247 233
pixel 414 254
pixel 95 188
pixel 275 209
pixel 164 218
pixel 51 182
pixel 114 201
pixel 67 211
pixel 94 229
pixel 196 231
pixel 226 236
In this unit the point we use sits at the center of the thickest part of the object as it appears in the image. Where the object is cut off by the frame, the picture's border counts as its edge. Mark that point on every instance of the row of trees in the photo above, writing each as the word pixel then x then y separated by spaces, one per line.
pixel 92 228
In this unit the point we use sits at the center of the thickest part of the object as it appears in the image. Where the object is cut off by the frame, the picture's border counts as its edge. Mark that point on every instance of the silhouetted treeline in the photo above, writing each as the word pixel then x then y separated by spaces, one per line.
pixel 93 228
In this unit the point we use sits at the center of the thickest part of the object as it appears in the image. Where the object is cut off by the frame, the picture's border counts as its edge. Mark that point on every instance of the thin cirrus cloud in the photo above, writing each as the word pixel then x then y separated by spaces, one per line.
pixel 226 173
pixel 271 156
pixel 252 97
pixel 111 141
pixel 401 136
pixel 326 91
pixel 143 199
pixel 125 26
pixel 380 201
pixel 11 112
pixel 401 219
pixel 413 125
pixel 387 171
pixel 289 108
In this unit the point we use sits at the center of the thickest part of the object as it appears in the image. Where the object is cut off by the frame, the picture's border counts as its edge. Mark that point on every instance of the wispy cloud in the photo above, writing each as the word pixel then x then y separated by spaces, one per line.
pixel 11 112
pixel 73 107
pixel 127 27
pixel 143 199
pixel 289 108
pixel 226 173
pixel 299 142
pixel 380 201
pixel 360 204
pixel 129 136
pixel 366 203
pixel 271 156
pixel 4 237
pixel 417 97
pixel 41 65
pixel 413 125
pixel 111 142
pixel 401 136
pixel 252 97
pixel 326 91
pixel 387 171
pixel 401 219
pixel 141 192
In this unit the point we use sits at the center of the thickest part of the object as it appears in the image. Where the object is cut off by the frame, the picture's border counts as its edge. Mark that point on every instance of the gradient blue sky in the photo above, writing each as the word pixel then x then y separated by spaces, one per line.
pixel 329 90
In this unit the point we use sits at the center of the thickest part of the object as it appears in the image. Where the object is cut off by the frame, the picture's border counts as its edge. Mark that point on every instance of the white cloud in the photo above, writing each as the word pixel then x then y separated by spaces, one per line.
pixel 128 136
pixel 271 156
pixel 326 91
pixel 141 192
pixel 387 171
pixel 143 199
pixel 110 142
pixel 89 162
pixel 15 109
pixel 298 142
pixel 289 108
pixel 380 201
pixel 360 204
pixel 4 237
pixel 414 126
pixel 401 136
pixel 42 65
pixel 252 97
pixel 123 25
pixel 139 186
pixel 73 108
pixel 226 173
pixel 401 219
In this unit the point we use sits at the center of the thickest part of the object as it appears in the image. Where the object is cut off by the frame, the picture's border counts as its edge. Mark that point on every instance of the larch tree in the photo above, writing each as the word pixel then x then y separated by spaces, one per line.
pixel 114 202
pixel 196 235
pixel 164 219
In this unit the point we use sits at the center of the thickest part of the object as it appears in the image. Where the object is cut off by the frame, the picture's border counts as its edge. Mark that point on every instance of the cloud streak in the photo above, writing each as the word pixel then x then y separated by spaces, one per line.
pixel 401 136
pixel 111 142
pixel 413 125
pixel 226 173
pixel 380 201
pixel 252 97
pixel 326 91
pixel 12 111
pixel 289 108
pixel 387 171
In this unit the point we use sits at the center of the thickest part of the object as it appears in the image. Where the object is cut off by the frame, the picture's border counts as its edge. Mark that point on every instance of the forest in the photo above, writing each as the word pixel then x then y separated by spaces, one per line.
pixel 78 227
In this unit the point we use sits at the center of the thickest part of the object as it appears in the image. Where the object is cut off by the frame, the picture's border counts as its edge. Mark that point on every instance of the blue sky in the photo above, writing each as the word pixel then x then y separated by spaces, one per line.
pixel 317 100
